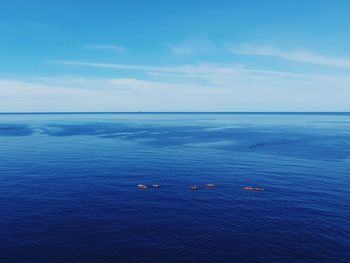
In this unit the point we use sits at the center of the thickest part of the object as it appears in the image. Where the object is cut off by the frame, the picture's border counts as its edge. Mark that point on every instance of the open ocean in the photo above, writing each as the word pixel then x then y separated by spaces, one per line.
pixel 68 187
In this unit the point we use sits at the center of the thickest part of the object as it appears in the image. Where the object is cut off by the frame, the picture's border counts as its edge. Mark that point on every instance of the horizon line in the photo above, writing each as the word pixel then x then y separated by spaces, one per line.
pixel 183 112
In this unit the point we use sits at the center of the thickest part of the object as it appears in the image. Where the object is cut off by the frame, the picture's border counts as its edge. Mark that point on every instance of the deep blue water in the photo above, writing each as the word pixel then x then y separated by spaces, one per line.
pixel 68 188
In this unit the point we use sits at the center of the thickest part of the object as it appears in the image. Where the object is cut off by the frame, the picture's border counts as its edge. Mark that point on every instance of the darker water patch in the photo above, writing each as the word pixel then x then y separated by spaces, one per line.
pixel 276 140
pixel 7 129
pixel 272 140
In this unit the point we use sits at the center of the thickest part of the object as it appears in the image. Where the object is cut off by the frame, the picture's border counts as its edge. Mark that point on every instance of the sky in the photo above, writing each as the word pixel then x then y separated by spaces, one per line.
pixel 183 55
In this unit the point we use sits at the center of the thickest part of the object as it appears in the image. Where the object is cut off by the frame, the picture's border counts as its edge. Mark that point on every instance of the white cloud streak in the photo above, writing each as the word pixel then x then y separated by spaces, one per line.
pixel 105 65
pixel 299 55
pixel 200 71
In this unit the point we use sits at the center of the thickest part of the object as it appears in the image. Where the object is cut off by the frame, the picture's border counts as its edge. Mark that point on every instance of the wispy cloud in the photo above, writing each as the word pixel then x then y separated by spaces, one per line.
pixel 246 90
pixel 229 76
pixel 193 46
pixel 115 48
pixel 299 55
pixel 105 65
pixel 202 71
pixel 98 94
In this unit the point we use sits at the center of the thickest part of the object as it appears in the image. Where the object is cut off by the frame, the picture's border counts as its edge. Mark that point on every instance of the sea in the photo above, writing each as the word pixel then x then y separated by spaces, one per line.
pixel 69 187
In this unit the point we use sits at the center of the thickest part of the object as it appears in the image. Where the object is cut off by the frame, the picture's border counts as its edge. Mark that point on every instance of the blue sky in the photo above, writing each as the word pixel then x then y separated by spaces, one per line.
pixel 193 55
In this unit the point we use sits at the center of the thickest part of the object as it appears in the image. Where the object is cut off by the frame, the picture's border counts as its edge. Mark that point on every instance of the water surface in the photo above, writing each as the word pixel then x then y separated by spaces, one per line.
pixel 68 188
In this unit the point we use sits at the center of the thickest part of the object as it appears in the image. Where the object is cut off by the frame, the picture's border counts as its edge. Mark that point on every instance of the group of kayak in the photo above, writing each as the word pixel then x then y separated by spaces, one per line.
pixel 195 187
pixel 144 187
pixel 249 188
